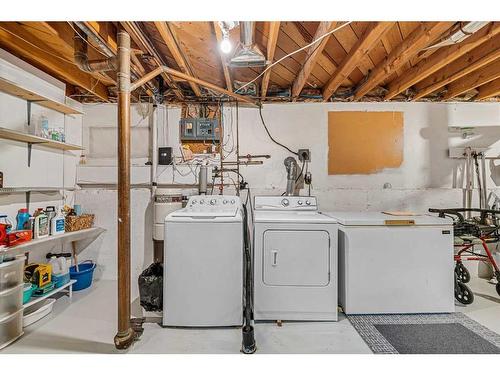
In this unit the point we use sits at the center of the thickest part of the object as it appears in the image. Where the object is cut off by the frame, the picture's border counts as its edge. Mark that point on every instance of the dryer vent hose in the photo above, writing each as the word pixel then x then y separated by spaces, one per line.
pixel 248 339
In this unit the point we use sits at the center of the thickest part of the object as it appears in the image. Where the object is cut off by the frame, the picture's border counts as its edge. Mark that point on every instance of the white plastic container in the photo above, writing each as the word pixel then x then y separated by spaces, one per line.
pixel 11 300
pixel 11 328
pixel 11 273
pixel 38 311
pixel 57 223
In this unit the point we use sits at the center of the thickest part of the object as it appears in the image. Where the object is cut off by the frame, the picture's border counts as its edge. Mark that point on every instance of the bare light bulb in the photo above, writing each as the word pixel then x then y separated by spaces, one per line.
pixel 225 45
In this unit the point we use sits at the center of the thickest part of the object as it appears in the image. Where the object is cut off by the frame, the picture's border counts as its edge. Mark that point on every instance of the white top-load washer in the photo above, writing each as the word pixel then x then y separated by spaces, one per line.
pixel 203 271
pixel 295 260
pixel 395 264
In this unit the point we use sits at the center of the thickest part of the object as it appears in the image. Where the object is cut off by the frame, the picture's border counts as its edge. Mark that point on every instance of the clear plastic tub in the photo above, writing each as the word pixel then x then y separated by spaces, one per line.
pixel 11 300
pixel 11 328
pixel 11 273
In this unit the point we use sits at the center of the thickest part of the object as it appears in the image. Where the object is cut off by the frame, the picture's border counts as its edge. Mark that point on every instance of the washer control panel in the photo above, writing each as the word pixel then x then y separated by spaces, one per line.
pixel 211 205
pixel 288 203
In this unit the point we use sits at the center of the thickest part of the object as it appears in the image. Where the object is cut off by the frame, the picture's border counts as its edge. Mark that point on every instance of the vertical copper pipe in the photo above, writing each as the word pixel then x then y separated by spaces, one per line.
pixel 125 334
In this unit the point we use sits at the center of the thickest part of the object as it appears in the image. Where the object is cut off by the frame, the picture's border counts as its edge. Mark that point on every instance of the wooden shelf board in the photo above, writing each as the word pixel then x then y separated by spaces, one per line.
pixel 17 136
pixel 47 189
pixel 61 238
pixel 20 92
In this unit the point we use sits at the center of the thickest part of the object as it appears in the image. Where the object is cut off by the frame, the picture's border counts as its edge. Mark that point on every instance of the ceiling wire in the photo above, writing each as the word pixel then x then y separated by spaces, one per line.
pixel 85 39
pixel 293 53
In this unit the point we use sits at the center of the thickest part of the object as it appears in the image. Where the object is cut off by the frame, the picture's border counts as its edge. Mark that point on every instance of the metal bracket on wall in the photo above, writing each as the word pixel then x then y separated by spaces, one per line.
pixel 28 199
pixel 30 145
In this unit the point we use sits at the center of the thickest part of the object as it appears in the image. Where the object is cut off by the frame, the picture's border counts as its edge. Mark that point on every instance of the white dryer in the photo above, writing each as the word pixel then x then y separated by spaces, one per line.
pixel 203 263
pixel 295 260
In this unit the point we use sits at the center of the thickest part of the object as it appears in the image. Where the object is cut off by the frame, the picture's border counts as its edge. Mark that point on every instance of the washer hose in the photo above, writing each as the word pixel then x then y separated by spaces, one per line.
pixel 248 339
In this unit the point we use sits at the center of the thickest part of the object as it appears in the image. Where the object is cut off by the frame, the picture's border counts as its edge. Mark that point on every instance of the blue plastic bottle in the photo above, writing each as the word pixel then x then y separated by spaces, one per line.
pixel 23 217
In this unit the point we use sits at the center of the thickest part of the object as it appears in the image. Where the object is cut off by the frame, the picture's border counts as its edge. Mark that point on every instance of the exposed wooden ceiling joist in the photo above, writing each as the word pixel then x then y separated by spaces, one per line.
pixel 61 67
pixel 489 90
pixel 145 45
pixel 225 68
pixel 170 39
pixel 374 31
pixel 440 59
pixel 477 78
pixel 312 54
pixel 421 37
pixel 474 63
pixel 272 39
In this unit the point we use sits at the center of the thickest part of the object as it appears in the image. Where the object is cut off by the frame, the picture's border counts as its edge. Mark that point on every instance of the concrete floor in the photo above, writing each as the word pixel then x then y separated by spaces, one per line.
pixel 88 325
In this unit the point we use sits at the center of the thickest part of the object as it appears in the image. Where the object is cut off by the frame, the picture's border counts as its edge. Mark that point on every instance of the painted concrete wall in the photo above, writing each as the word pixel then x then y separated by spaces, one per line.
pixel 427 177
pixel 49 168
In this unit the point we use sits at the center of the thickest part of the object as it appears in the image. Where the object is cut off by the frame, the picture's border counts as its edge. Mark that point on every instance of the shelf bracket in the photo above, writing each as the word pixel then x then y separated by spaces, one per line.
pixel 28 110
pixel 28 198
pixel 30 146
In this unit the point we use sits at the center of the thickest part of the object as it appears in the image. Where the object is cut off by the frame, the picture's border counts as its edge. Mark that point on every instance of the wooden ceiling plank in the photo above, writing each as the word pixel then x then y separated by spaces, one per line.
pixel 272 39
pixel 180 58
pixel 312 55
pixel 421 37
pixel 359 51
pixel 489 90
pixel 56 66
pixel 477 78
pixel 479 63
pixel 225 68
pixel 440 59
pixel 136 34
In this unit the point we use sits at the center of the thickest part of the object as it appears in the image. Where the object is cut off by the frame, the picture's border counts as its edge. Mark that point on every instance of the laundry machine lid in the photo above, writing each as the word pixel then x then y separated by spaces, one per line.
pixel 292 217
pixel 380 218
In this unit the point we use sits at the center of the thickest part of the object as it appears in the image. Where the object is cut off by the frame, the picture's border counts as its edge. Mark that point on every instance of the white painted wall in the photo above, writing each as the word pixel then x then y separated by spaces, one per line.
pixel 427 177
pixel 49 168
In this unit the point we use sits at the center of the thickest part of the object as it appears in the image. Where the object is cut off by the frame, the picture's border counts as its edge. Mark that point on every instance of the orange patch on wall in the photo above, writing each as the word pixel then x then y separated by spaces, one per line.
pixel 364 142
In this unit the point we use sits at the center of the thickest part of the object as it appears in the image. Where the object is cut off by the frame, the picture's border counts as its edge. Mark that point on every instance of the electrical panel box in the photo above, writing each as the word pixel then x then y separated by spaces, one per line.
pixel 199 129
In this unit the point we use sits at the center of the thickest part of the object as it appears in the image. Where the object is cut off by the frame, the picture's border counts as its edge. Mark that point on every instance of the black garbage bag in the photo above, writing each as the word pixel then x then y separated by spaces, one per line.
pixel 151 287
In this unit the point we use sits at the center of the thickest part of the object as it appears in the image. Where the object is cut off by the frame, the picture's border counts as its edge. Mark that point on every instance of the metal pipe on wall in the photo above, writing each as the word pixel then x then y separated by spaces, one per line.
pixel 125 335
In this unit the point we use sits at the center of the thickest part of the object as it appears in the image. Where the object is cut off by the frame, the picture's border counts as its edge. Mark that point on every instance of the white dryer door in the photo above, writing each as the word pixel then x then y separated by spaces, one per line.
pixel 296 258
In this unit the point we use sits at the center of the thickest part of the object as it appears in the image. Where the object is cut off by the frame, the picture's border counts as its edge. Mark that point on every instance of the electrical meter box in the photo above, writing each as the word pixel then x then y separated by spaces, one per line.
pixel 199 129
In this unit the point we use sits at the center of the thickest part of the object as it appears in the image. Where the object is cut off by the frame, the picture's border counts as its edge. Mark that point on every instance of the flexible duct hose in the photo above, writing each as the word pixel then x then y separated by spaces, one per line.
pixel 248 340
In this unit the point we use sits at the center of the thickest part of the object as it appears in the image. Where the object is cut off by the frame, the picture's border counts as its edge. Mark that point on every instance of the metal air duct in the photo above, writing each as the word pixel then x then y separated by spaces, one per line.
pixel 247 54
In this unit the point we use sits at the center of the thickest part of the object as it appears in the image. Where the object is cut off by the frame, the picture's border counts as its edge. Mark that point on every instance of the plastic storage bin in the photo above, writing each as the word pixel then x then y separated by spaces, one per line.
pixel 11 300
pixel 28 290
pixel 84 275
pixel 60 280
pixel 11 328
pixel 11 273
pixel 38 311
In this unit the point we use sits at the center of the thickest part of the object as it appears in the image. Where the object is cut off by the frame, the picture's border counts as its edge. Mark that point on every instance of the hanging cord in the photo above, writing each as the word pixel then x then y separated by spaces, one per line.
pixel 271 137
pixel 293 53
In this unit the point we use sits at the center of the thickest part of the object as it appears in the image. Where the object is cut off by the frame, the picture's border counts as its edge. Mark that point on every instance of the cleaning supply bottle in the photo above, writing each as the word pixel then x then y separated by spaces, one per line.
pixel 56 267
pixel 57 223
pixel 41 224
pixel 50 211
pixel 22 218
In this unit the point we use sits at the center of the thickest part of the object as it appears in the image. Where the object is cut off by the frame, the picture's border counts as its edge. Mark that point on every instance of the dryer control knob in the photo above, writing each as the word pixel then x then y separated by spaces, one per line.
pixel 232 201
pixel 212 201
pixel 202 201
pixel 308 203
pixel 299 203
pixel 285 202
pixel 224 201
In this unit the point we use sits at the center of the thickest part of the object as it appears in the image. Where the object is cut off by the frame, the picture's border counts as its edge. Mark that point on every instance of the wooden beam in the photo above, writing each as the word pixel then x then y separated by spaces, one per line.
pixel 441 58
pixel 171 40
pixel 489 90
pixel 418 39
pixel 143 42
pixel 457 74
pixel 371 36
pixel 225 68
pixel 272 39
pixel 477 78
pixel 58 67
pixel 312 55
pixel 165 69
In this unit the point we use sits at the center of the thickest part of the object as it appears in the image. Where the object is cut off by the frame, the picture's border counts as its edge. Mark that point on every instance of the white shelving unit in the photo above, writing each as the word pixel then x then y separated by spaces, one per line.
pixel 35 300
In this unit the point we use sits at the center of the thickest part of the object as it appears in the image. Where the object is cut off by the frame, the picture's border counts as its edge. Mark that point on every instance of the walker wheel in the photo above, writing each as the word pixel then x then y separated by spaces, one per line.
pixel 462 273
pixel 498 288
pixel 463 294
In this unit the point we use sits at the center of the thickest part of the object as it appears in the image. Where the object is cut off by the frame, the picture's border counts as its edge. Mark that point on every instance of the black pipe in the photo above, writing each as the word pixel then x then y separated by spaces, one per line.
pixel 248 339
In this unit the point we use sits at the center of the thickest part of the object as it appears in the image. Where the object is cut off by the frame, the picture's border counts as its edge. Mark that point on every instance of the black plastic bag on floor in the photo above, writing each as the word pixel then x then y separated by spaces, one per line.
pixel 151 287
